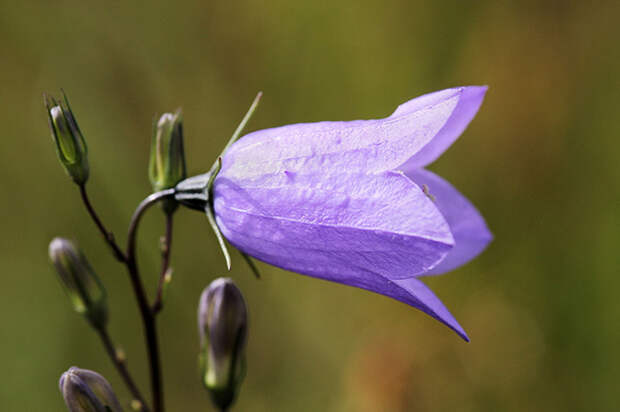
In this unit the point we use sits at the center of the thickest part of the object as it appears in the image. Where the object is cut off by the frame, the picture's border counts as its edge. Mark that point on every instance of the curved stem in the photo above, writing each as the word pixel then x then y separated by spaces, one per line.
pixel 148 319
pixel 165 263
pixel 121 366
pixel 137 215
pixel 108 236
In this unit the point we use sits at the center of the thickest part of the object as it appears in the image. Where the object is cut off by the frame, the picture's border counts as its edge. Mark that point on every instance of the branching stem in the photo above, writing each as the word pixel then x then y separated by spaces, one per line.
pixel 147 313
pixel 148 317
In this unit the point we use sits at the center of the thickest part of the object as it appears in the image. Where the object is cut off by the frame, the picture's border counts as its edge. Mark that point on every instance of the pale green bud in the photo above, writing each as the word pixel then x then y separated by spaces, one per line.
pixel 87 391
pixel 82 285
pixel 70 144
pixel 167 161
pixel 222 326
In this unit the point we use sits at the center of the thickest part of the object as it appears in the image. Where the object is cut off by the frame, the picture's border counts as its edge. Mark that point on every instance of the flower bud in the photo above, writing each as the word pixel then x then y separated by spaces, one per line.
pixel 87 391
pixel 222 326
pixel 82 285
pixel 70 144
pixel 167 162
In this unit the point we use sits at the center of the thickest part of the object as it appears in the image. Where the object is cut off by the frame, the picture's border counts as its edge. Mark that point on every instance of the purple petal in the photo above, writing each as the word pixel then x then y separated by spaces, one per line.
pixel 471 234
pixel 334 266
pixel 415 293
pixel 323 199
pixel 424 126
pixel 469 101
pixel 382 222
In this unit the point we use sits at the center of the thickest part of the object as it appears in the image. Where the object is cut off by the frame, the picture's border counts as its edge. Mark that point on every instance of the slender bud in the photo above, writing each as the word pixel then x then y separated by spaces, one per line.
pixel 222 326
pixel 82 285
pixel 167 161
pixel 70 144
pixel 87 391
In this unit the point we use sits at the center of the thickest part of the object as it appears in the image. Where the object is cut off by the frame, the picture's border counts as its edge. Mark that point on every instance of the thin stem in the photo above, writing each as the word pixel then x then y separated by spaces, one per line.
pixel 150 330
pixel 108 236
pixel 135 221
pixel 165 263
pixel 119 363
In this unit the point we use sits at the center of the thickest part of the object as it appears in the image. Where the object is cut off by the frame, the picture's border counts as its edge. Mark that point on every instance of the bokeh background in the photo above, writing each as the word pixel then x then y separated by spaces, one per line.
pixel 541 161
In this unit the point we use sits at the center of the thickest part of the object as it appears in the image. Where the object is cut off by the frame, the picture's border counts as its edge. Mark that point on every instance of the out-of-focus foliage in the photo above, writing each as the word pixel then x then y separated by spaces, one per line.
pixel 540 160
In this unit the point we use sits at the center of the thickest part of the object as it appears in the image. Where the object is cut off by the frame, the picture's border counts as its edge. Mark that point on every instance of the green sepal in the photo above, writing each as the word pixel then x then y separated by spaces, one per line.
pixel 197 192
pixel 251 264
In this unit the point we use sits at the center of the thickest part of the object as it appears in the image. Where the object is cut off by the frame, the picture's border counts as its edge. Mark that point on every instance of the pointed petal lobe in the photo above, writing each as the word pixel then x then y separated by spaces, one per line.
pixel 471 234
pixel 338 269
pixel 469 101
pixel 427 125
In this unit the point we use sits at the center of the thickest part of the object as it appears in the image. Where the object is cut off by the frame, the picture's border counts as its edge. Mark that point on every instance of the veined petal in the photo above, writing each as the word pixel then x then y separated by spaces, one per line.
pixel 469 101
pixel 382 222
pixel 426 125
pixel 339 269
pixel 471 234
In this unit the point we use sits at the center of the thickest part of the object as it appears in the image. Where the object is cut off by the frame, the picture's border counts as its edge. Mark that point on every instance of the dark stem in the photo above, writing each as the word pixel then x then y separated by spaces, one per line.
pixel 148 319
pixel 165 263
pixel 108 236
pixel 121 367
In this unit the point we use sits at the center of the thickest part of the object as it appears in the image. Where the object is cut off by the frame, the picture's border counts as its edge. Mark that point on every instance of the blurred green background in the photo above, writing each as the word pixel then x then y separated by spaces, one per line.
pixel 541 161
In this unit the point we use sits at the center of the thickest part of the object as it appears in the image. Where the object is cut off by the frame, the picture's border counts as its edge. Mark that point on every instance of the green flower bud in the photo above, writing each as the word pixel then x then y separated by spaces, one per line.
pixel 222 326
pixel 167 161
pixel 87 391
pixel 82 285
pixel 70 144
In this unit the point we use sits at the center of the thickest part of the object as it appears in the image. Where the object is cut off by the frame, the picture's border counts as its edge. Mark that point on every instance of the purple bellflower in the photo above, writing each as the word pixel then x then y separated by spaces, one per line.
pixel 351 202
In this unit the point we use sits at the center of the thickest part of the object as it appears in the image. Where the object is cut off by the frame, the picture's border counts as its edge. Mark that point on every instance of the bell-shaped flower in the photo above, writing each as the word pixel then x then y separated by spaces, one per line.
pixel 351 202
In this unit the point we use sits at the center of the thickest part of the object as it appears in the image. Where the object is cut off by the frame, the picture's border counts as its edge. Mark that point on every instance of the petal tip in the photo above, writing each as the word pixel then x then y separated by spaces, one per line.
pixel 465 103
pixel 456 327
pixel 473 95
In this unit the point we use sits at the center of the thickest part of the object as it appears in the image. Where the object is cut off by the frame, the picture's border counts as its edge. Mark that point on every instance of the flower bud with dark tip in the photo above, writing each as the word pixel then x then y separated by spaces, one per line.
pixel 70 144
pixel 87 391
pixel 167 161
pixel 82 285
pixel 222 326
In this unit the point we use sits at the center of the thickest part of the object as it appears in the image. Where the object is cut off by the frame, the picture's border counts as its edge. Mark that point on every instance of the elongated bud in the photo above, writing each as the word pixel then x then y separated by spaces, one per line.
pixel 87 391
pixel 70 144
pixel 82 285
pixel 167 162
pixel 222 326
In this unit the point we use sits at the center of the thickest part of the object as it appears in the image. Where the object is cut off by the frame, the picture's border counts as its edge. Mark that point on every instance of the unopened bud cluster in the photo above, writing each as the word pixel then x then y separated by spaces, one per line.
pixel 222 311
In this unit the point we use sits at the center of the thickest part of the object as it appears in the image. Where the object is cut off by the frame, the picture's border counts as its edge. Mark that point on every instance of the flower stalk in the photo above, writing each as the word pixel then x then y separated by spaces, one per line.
pixel 147 315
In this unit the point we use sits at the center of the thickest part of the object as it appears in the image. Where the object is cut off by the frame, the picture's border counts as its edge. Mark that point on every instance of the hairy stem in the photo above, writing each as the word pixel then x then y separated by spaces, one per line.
pixel 121 367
